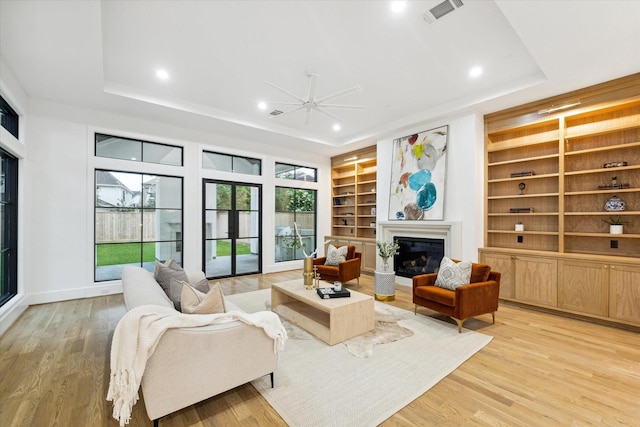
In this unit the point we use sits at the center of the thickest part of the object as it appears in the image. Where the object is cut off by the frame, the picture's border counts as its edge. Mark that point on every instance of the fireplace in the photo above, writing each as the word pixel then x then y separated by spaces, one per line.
pixel 448 231
pixel 417 255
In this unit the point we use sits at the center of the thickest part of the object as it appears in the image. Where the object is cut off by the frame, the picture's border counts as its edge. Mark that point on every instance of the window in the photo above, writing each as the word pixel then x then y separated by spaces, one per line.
pixel 8 117
pixel 8 227
pixel 115 147
pixel 298 173
pixel 229 163
pixel 294 205
pixel 138 220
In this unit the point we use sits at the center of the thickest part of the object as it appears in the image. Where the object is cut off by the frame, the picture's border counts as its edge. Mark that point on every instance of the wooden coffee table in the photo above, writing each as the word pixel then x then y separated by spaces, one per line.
pixel 331 320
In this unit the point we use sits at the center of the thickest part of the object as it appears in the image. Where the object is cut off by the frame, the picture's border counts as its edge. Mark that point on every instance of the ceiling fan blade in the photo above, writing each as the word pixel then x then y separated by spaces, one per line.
pixel 311 93
pixel 282 103
pixel 342 106
pixel 307 117
pixel 340 94
pixel 326 113
pixel 284 91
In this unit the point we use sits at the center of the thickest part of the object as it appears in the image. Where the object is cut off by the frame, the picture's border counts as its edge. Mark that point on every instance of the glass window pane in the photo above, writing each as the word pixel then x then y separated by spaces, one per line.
pixel 162 224
pixel 246 165
pixel 163 154
pixel 162 192
pixel 248 224
pixel 247 197
pixel 9 118
pixel 118 148
pixel 285 171
pixel 306 174
pixel 217 258
pixel 216 161
pixel 247 256
pixel 218 196
pixel 115 225
pixel 118 189
pixel 163 251
pixel 216 224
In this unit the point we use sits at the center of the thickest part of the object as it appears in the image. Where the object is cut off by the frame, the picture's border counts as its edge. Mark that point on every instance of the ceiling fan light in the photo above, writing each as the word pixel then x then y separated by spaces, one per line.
pixel 337 127
pixel 262 105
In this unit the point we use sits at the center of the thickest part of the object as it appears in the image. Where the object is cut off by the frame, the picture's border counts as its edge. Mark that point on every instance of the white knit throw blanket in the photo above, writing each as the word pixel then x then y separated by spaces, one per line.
pixel 138 333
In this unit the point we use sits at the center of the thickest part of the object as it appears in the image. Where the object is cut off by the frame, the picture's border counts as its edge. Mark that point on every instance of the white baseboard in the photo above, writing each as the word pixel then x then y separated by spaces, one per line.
pixel 69 294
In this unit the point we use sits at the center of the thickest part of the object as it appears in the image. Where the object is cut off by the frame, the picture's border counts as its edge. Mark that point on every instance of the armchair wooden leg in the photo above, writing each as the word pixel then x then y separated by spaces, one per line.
pixel 459 322
pixel 493 317
pixel 271 375
pixel 415 308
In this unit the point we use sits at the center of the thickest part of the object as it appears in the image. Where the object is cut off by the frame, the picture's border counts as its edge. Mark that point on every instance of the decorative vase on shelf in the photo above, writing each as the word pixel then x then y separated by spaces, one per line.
pixel 614 204
pixel 615 229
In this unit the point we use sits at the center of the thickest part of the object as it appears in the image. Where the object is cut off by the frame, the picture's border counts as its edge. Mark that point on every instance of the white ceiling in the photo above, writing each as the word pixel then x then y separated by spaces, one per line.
pixel 103 55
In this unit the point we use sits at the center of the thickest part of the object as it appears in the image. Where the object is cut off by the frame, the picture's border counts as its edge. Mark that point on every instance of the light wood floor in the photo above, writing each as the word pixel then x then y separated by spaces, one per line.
pixel 540 370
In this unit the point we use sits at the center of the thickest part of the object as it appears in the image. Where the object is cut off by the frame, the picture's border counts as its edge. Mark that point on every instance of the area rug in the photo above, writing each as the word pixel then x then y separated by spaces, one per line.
pixel 321 385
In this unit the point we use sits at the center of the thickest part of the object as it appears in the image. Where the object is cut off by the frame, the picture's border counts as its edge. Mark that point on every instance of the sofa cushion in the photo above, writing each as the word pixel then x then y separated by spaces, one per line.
pixel 164 272
pixel 140 288
pixel 480 272
pixel 175 289
pixel 336 255
pixel 452 274
pixel 436 294
pixel 196 302
pixel 327 270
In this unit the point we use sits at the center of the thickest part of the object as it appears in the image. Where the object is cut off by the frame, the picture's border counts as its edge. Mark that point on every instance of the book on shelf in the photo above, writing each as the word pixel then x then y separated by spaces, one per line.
pixel 521 210
pixel 326 293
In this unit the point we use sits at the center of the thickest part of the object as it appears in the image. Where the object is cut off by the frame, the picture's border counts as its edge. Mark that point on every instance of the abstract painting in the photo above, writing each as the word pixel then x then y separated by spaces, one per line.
pixel 418 170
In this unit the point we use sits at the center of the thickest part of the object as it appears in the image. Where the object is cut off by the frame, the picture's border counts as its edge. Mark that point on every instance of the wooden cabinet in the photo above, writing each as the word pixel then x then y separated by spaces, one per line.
pixel 354 194
pixel 624 293
pixel 366 247
pixel 551 166
pixel 537 280
pixel 583 287
pixel 506 265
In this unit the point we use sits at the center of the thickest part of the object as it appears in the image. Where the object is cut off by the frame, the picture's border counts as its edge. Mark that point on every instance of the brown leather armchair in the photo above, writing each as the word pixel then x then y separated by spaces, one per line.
pixel 343 272
pixel 478 297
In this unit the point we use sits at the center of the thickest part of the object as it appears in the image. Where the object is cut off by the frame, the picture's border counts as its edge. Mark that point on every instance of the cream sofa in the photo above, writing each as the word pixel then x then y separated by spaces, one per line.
pixel 193 364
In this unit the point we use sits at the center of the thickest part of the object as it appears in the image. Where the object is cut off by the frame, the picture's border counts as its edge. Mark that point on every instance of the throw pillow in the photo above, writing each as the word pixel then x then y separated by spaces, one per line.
pixel 336 255
pixel 196 302
pixel 164 272
pixel 175 294
pixel 452 274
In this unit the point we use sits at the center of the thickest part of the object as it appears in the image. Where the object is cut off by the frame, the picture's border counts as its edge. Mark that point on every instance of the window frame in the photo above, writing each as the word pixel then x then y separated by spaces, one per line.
pixel 9 242
pixel 298 253
pixel 295 169
pixel 142 145
pixel 233 158
pixel 179 243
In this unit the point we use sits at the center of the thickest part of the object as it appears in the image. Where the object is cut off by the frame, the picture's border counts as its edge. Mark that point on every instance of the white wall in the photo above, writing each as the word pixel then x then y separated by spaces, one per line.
pixel 463 182
pixel 59 218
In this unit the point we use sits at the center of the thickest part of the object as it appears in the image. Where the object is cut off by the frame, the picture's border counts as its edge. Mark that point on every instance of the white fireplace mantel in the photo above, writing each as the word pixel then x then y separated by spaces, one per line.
pixel 450 232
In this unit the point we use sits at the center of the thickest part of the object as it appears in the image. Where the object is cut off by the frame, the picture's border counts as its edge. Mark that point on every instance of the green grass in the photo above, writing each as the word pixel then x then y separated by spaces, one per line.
pixel 223 248
pixel 129 253
pixel 125 253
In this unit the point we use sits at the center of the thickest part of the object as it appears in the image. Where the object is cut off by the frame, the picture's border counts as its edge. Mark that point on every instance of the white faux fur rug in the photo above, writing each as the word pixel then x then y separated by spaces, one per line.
pixel 321 385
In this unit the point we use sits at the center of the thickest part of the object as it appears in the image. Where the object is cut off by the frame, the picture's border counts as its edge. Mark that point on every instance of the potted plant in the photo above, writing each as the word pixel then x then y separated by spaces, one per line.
pixel 615 225
pixel 386 250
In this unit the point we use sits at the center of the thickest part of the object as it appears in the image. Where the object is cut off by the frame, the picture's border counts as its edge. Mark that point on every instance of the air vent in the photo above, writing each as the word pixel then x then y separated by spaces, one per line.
pixel 275 113
pixel 440 10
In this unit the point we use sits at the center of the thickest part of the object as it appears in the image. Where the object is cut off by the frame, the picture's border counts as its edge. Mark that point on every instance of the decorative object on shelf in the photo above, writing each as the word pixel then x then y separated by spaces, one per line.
pixel 613 186
pixel 520 210
pixel 614 165
pixel 615 225
pixel 344 222
pixel 614 204
pixel 519 226
pixel 614 180
pixel 521 174
pixel 372 224
pixel 373 211
pixel 386 250
pixel 521 186
pixel 418 172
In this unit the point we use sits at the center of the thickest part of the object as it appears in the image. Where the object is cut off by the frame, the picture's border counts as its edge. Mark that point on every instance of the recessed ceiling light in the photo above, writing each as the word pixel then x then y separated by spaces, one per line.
pixel 262 105
pixel 475 72
pixel 337 127
pixel 162 74
pixel 398 6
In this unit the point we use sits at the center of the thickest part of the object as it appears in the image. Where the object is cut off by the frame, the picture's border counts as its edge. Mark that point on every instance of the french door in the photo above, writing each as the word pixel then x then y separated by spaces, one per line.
pixel 232 228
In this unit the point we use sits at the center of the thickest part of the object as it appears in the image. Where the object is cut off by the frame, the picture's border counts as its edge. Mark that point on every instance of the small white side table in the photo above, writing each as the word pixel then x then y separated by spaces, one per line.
pixel 385 285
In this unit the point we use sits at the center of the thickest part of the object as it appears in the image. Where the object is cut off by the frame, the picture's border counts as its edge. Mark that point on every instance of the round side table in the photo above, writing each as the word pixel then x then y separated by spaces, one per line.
pixel 385 285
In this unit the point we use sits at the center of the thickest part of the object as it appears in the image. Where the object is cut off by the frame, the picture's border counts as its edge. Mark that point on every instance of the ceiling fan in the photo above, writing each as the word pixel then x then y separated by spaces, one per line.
pixel 311 103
